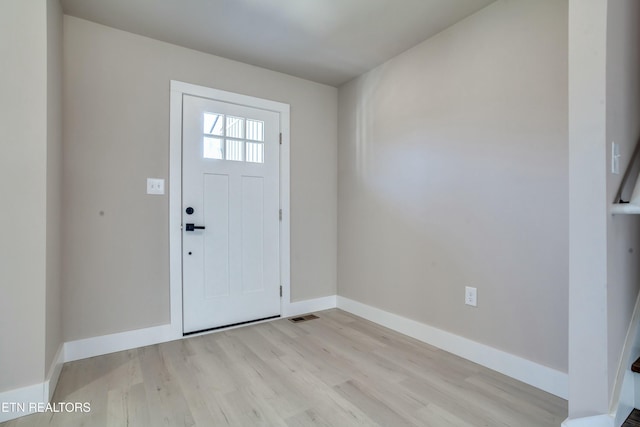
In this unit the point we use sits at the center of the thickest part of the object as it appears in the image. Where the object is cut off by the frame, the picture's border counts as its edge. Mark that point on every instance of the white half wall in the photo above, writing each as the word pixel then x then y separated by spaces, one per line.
pixel 588 210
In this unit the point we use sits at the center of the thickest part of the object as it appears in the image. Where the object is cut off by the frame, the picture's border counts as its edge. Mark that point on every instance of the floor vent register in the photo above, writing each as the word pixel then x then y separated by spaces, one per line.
pixel 303 318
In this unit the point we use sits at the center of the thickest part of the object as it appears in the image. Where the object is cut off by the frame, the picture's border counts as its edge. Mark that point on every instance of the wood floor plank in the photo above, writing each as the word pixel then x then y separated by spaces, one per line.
pixel 321 396
pixel 167 404
pixel 531 396
pixel 137 408
pixel 187 377
pixel 249 409
pixel 262 380
pixel 521 403
pixel 435 416
pixel 452 404
pixel 117 407
pixel 337 370
pixel 306 419
pixel 258 344
pixel 374 408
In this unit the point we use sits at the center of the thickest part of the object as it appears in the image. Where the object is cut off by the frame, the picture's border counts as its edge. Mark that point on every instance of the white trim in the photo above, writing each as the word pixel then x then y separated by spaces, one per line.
pixel 40 393
pixel 230 97
pixel 54 373
pixel 175 211
pixel 285 205
pixel 545 378
pixel 178 89
pixel 25 395
pixel 307 306
pixel 105 344
pixel 542 377
pixel 595 421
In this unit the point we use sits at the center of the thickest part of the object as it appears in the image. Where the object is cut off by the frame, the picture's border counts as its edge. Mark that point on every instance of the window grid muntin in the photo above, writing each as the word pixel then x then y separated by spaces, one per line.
pixel 249 138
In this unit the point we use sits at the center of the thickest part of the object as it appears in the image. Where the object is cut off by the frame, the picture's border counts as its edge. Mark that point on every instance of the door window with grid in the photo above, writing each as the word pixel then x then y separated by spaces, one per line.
pixel 233 138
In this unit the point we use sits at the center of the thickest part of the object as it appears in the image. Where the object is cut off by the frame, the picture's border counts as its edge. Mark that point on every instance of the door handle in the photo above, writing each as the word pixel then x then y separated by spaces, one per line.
pixel 192 227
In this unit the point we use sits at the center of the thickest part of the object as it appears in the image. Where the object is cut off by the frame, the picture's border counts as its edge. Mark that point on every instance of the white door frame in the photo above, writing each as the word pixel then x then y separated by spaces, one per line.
pixel 178 89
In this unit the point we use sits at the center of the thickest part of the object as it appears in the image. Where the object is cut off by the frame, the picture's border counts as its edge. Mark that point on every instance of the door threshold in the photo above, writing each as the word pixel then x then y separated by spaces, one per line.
pixel 231 325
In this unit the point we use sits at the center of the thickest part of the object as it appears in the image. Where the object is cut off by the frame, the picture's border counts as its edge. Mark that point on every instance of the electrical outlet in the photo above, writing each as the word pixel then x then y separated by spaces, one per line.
pixel 471 296
pixel 155 186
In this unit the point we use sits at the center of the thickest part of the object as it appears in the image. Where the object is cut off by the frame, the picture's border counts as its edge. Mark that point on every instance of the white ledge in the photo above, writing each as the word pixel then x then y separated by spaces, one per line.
pixel 625 208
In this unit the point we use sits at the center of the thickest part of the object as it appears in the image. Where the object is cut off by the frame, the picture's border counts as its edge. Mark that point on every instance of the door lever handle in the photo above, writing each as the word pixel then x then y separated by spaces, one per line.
pixel 193 227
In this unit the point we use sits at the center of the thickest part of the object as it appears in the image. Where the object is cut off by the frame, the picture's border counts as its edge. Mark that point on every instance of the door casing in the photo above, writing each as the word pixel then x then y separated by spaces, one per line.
pixel 178 89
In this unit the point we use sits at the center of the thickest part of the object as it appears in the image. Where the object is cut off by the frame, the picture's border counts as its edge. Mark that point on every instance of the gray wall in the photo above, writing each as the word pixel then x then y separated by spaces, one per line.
pixel 54 181
pixel 22 188
pixel 623 127
pixel 453 172
pixel 28 273
pixel 116 111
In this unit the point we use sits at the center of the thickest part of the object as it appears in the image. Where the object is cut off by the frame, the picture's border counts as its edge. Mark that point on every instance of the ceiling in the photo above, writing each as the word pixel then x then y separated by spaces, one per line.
pixel 327 41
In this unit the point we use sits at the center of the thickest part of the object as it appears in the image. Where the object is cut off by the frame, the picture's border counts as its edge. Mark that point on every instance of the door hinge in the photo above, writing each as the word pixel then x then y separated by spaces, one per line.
pixel 280 215
pixel 280 291
pixel 281 138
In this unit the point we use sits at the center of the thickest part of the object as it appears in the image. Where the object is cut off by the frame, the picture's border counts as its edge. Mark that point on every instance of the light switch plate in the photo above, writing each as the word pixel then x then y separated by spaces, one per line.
pixel 155 186
pixel 615 158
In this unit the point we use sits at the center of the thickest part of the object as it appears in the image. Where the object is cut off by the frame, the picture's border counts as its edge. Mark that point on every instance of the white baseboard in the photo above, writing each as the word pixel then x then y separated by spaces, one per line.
pixel 595 421
pixel 307 306
pixel 539 376
pixel 18 400
pixel 626 400
pixel 54 373
pixel 105 344
pixel 16 403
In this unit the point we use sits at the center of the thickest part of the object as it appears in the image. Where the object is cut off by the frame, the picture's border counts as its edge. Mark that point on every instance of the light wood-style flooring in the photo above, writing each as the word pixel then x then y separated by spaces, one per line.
pixel 337 370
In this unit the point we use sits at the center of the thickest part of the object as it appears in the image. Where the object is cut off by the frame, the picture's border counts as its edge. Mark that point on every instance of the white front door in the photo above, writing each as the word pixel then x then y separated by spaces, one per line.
pixel 230 214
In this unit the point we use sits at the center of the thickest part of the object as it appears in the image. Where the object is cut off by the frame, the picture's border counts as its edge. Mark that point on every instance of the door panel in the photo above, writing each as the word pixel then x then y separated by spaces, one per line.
pixel 216 247
pixel 231 180
pixel 252 234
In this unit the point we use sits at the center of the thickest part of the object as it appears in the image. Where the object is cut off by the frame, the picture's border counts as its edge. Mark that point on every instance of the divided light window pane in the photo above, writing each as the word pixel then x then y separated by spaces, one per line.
pixel 235 127
pixel 213 124
pixel 213 148
pixel 255 130
pixel 234 150
pixel 255 152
